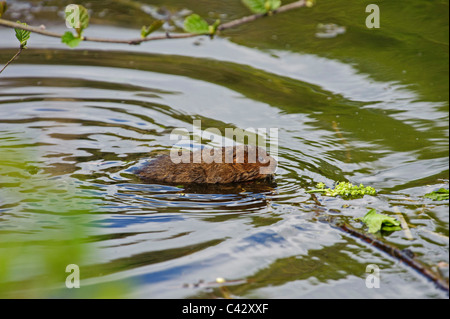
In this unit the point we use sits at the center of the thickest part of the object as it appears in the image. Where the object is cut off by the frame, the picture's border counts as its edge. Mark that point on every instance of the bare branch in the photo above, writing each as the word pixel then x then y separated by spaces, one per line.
pixel 222 27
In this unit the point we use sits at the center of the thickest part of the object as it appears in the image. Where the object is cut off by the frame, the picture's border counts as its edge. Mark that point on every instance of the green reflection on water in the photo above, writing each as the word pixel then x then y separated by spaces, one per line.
pixel 42 230
pixel 411 45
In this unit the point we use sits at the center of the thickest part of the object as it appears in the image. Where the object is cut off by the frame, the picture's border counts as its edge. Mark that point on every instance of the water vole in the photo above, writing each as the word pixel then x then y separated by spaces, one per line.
pixel 229 164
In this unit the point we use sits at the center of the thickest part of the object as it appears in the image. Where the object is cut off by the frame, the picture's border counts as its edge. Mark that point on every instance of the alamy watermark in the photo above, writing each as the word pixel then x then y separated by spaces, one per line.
pixel 72 12
pixel 265 138
pixel 73 279
pixel 373 19
pixel 373 279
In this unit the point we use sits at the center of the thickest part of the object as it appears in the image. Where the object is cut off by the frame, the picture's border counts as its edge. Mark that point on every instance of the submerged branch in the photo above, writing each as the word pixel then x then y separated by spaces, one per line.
pixel 403 255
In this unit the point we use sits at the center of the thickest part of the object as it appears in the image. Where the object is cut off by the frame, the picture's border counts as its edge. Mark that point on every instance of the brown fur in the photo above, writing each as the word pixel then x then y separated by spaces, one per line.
pixel 234 164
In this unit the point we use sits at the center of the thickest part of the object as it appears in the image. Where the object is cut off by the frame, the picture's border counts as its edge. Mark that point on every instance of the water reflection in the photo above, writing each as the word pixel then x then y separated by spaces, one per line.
pixel 89 125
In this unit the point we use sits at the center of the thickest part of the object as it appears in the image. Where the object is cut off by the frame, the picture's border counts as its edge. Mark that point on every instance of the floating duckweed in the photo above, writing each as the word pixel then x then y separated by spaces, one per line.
pixel 440 194
pixel 320 185
pixel 344 189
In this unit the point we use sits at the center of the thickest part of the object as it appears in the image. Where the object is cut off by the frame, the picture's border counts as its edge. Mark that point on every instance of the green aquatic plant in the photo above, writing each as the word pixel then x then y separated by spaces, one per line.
pixel 440 194
pixel 344 189
pixel 377 222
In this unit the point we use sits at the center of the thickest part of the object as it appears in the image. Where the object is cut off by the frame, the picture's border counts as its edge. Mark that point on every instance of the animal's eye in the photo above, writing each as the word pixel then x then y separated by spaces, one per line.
pixel 261 159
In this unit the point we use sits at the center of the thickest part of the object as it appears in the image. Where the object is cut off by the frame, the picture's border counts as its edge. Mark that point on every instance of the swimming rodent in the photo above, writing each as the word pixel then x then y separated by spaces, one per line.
pixel 231 164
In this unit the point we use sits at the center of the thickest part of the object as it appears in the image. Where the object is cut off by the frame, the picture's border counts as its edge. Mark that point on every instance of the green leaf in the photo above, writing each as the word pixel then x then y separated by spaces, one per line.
pixel 273 4
pixel 213 27
pixel 377 222
pixel 196 24
pixel 440 194
pixel 262 6
pixel 22 35
pixel 77 17
pixel 71 40
pixel 84 17
pixel 3 7
pixel 145 31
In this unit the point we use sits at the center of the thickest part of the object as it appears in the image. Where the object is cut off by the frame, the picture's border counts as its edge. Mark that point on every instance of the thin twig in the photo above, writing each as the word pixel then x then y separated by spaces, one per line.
pixel 40 30
pixel 13 58
pixel 222 27
pixel 344 141
pixel 404 224
pixel 235 23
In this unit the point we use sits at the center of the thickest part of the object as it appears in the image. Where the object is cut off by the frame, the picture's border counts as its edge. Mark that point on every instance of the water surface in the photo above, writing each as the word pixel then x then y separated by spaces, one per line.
pixel 365 106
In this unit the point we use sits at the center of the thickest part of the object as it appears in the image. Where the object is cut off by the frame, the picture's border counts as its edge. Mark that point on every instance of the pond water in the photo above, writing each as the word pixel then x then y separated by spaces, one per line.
pixel 350 104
